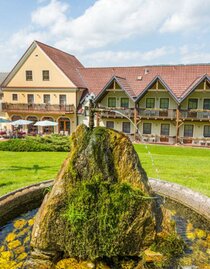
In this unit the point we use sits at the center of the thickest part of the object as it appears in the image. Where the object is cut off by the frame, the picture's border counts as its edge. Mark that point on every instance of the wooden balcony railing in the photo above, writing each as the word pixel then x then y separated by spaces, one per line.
pixel 195 114
pixel 8 107
pixel 157 113
pixel 128 112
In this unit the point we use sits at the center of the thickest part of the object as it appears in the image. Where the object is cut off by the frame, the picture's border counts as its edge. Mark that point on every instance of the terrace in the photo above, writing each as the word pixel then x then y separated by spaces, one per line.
pixel 41 108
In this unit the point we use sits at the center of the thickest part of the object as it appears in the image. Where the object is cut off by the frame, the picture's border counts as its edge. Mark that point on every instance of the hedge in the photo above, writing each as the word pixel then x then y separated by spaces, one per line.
pixel 37 143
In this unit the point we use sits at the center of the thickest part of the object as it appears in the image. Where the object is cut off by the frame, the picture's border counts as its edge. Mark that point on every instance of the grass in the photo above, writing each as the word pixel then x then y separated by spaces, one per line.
pixel 189 167
pixel 20 169
pixel 186 166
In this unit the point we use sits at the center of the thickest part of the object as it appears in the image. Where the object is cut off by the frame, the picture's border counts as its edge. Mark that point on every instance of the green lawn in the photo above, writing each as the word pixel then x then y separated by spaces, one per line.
pixel 187 166
pixel 20 169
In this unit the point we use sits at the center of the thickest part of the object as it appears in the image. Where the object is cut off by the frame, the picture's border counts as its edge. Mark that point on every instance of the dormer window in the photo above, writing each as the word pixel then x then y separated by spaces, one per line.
pixel 29 75
pixel 124 102
pixel 192 103
pixel 164 103
pixel 45 75
pixel 112 102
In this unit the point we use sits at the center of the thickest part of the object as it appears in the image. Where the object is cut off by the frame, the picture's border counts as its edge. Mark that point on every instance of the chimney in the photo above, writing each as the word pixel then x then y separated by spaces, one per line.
pixel 146 71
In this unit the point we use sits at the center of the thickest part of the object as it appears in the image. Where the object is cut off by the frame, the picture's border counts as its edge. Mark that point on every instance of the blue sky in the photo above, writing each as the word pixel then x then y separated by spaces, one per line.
pixel 108 32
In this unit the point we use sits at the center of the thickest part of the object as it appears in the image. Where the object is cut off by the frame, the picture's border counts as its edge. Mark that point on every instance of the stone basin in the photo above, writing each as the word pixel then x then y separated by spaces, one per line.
pixel 15 233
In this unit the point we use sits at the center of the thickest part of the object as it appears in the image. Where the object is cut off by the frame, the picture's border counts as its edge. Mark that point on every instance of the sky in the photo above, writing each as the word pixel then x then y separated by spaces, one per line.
pixel 108 32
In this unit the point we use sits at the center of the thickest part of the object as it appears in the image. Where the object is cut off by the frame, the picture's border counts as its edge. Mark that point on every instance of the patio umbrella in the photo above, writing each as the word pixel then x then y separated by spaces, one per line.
pixel 45 123
pixel 2 120
pixel 21 122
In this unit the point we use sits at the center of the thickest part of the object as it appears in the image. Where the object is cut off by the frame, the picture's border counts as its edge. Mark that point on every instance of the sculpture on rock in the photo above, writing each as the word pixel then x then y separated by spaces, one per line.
pixel 100 206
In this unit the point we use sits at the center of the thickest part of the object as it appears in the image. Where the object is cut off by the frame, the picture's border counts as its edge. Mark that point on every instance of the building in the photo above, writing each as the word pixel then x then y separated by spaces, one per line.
pixel 44 85
pixel 2 78
pixel 168 104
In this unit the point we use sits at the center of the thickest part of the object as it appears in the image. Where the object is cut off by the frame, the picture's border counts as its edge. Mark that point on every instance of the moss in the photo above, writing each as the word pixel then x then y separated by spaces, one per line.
pixel 101 216
pixel 170 246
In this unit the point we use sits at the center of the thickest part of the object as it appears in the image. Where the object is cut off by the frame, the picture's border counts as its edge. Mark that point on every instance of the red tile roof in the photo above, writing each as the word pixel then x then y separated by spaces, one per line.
pixel 179 78
pixel 68 63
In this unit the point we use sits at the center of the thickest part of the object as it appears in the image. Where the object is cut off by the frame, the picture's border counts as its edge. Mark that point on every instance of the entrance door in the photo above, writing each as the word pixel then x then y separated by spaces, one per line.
pixel 64 126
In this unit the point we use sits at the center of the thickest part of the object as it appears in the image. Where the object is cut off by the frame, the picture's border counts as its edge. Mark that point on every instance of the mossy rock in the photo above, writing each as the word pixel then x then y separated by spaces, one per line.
pixel 101 204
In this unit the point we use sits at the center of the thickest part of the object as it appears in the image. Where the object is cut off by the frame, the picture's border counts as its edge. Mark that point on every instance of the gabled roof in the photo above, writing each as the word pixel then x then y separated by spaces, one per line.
pixel 157 78
pixel 194 85
pixel 178 78
pixel 67 63
pixel 123 85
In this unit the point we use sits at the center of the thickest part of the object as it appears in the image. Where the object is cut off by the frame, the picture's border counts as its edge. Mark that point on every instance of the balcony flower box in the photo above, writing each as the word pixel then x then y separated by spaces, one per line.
pixel 164 139
pixel 163 113
pixel 187 140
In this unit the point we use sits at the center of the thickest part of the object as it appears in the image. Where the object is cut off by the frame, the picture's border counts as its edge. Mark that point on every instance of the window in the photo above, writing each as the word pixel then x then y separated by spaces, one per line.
pixel 14 97
pixel 126 127
pixel 30 98
pixel 124 102
pixel 206 131
pixel 111 102
pixel 206 104
pixel 188 130
pixel 147 128
pixel 192 103
pixel 62 99
pixel 150 102
pixel 46 99
pixel 164 103
pixel 165 129
pixel 29 75
pixel 110 124
pixel 45 75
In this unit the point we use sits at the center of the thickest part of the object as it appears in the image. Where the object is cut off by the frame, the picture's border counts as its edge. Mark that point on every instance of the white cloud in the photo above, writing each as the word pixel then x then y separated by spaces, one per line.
pixel 188 15
pixel 112 22
pixel 123 58
pixel 50 14
pixel 194 54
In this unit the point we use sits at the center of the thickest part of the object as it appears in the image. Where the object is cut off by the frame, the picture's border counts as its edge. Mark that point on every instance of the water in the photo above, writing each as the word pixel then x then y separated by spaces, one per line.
pixel 15 242
pixel 144 143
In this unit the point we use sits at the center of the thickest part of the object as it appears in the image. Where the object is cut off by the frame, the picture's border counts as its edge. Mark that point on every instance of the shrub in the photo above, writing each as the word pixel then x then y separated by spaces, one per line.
pixel 37 143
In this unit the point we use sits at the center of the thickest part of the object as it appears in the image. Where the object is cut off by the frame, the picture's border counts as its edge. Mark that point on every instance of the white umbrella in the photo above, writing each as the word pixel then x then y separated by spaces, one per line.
pixel 3 120
pixel 45 123
pixel 21 122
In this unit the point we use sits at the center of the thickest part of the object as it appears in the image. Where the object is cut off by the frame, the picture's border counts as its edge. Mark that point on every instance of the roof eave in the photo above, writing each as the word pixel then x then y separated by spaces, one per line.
pixel 182 98
pixel 151 83
pixel 19 64
pixel 102 92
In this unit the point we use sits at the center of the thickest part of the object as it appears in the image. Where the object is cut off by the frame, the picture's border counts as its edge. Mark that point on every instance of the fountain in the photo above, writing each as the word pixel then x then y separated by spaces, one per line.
pixel 101 206
pixel 101 212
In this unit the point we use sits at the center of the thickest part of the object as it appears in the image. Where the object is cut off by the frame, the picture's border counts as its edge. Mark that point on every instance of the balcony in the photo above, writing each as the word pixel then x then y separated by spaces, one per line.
pixel 117 112
pixel 201 115
pixel 157 113
pixel 40 108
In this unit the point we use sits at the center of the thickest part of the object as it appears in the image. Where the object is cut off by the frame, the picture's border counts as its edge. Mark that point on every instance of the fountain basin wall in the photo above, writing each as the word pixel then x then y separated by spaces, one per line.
pixel 24 199
pixel 182 195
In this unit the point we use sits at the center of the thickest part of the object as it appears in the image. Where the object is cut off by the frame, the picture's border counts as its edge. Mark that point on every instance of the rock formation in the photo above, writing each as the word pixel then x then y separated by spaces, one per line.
pixel 100 204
